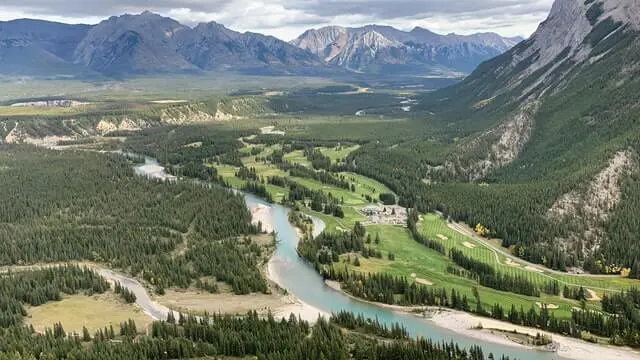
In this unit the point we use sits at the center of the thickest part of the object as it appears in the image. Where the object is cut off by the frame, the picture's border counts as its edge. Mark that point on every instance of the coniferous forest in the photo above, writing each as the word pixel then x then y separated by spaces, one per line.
pixel 61 206
pixel 85 206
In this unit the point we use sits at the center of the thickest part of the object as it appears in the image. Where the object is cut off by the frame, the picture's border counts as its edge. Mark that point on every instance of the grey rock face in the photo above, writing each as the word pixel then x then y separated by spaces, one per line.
pixel 374 47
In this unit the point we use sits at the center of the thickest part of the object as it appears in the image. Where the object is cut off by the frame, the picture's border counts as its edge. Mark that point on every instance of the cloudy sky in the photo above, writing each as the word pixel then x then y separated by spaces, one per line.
pixel 288 18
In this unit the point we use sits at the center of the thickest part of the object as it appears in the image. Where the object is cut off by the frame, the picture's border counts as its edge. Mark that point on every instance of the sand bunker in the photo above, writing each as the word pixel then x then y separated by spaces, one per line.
pixel 532 268
pixel 549 306
pixel 270 130
pixel 423 281
pixel 593 296
pixel 468 245
pixel 442 237
pixel 168 101
pixel 511 263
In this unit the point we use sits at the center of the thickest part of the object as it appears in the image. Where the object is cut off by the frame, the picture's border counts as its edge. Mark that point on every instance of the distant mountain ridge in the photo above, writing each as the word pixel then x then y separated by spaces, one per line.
pixel 372 48
pixel 150 43
pixel 143 43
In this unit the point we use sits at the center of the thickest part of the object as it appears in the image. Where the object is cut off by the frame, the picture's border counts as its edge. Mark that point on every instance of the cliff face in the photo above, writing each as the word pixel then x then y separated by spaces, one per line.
pixel 376 48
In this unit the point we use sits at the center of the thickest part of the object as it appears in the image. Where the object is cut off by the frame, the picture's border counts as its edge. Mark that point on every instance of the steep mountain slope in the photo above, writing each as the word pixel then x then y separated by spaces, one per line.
pixel 133 43
pixel 212 46
pixel 556 118
pixel 144 43
pixel 373 48
pixel 28 46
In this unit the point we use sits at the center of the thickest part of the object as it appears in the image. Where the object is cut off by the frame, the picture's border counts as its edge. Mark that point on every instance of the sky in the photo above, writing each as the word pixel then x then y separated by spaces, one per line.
pixel 286 19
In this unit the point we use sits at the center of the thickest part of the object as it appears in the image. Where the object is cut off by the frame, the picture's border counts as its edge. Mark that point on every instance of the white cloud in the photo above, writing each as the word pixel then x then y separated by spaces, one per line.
pixel 286 19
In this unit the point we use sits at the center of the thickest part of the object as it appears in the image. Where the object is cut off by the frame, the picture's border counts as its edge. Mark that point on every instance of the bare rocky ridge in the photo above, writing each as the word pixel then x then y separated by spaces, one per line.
pixel 562 40
pixel 142 44
pixel 588 209
pixel 506 141
pixel 540 67
pixel 371 47
pixel 139 43
pixel 327 42
pixel 173 114
pixel 513 135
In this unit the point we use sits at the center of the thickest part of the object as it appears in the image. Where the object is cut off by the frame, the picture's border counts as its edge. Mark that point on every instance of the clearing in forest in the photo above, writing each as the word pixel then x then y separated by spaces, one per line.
pixel 92 312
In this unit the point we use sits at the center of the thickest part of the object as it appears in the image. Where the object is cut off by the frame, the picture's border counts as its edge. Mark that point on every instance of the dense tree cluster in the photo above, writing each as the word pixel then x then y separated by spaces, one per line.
pixel 574 293
pixel 195 170
pixel 388 199
pixel 325 177
pixel 229 336
pixel 185 144
pixel 126 294
pixel 328 246
pixel 364 325
pixel 389 289
pixel 61 206
pixel 487 276
pixel 257 188
pixel 316 200
pixel 247 174
pixel 318 159
pixel 301 221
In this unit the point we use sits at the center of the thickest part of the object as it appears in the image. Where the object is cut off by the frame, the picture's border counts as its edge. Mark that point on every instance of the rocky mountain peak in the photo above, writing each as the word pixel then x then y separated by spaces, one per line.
pixel 326 42
pixel 373 48
pixel 574 33
pixel 375 40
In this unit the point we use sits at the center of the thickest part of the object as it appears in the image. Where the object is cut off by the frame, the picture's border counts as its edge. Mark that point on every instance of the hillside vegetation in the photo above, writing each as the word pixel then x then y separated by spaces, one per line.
pixel 527 132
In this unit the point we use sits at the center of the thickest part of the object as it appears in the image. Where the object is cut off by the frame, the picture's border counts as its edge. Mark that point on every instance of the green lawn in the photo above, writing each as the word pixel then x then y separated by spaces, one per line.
pixel 338 153
pixel 433 225
pixel 414 258
pixel 297 157
pixel 353 200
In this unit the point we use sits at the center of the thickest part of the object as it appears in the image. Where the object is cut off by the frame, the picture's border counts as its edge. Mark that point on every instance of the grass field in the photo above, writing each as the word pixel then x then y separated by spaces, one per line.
pixel 298 158
pixel 352 200
pixel 154 87
pixel 414 258
pixel 92 312
pixel 339 153
pixel 435 227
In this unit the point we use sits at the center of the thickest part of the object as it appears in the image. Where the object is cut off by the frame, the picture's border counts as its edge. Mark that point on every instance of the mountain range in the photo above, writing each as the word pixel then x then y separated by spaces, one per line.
pixel 376 48
pixel 150 43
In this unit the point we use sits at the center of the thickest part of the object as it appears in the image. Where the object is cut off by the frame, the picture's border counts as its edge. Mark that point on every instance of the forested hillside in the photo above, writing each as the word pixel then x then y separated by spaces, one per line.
pixel 61 206
pixel 539 144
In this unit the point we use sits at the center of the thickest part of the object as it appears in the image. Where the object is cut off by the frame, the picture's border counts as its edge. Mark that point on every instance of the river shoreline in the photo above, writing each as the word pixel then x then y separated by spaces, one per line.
pixel 262 214
pixel 298 307
pixel 458 322
pixel 467 324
